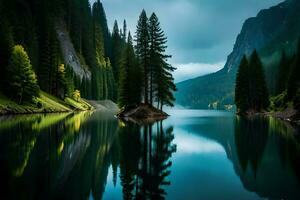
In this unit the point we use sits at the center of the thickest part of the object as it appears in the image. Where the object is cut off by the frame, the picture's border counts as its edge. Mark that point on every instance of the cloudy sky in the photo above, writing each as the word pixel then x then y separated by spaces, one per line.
pixel 201 33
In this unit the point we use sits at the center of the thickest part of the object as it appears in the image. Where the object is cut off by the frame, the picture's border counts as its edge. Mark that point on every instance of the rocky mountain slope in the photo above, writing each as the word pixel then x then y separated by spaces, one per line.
pixel 69 53
pixel 271 31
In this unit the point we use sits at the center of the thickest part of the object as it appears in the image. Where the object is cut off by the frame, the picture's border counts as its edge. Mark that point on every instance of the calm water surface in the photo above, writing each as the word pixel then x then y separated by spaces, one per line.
pixel 194 154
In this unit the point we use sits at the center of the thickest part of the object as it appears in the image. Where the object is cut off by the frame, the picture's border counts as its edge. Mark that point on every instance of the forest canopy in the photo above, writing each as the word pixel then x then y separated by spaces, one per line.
pixel 67 47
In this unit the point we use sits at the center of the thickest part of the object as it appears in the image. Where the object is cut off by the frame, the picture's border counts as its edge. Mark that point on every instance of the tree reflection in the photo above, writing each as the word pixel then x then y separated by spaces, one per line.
pixel 272 150
pixel 145 163
pixel 59 156
pixel 251 136
pixel 68 156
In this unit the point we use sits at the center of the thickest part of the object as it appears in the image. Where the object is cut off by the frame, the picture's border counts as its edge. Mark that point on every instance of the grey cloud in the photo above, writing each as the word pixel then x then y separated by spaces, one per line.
pixel 198 30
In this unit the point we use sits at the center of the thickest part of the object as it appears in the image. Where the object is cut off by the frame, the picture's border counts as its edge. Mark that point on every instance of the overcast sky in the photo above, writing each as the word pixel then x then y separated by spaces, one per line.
pixel 201 33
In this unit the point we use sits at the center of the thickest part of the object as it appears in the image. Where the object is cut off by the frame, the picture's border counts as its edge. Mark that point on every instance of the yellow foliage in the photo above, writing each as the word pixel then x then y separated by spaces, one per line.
pixel 76 95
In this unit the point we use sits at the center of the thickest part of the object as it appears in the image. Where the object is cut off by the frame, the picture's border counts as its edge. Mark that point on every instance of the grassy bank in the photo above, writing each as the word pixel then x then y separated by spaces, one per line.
pixel 45 103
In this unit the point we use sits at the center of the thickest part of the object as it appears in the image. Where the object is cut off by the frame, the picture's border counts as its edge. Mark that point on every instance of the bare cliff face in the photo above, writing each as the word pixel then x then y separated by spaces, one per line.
pixel 69 53
pixel 271 31
pixel 271 26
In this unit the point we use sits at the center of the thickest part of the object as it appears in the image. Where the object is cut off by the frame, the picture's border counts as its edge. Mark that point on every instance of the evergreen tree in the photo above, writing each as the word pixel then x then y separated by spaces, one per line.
pixel 251 87
pixel 45 59
pixel 111 85
pixel 160 72
pixel 124 30
pixel 98 35
pixel 242 86
pixel 142 51
pixel 23 83
pixel 116 51
pixel 69 77
pixel 61 81
pixel 104 28
pixel 6 45
pixel 294 79
pixel 258 88
pixel 99 79
pixel 128 95
pixel 283 73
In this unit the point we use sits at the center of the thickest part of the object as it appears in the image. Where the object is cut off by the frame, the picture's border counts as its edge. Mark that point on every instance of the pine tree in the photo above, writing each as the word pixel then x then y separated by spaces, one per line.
pixel 128 95
pixel 6 45
pixel 251 88
pixel 165 85
pixel 98 35
pixel 284 69
pixel 294 79
pixel 45 61
pixel 258 92
pixel 242 86
pixel 116 51
pixel 23 82
pixel 104 28
pixel 124 30
pixel 160 71
pixel 69 77
pixel 142 51
pixel 110 81
pixel 61 81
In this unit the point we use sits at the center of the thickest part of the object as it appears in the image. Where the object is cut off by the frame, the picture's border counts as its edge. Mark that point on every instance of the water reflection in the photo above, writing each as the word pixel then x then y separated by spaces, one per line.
pixel 67 156
pixel 268 152
pixel 145 160
pixel 251 136
pixel 59 156
pixel 94 156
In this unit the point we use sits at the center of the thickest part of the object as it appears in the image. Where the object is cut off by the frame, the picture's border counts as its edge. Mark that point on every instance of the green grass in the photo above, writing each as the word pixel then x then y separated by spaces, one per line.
pixel 78 105
pixel 45 103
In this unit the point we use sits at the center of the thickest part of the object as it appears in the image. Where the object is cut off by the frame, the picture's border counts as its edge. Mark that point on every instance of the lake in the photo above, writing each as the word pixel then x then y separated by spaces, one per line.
pixel 194 154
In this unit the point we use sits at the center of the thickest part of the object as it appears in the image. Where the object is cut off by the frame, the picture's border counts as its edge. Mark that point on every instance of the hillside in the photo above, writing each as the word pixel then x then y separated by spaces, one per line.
pixel 45 103
pixel 271 31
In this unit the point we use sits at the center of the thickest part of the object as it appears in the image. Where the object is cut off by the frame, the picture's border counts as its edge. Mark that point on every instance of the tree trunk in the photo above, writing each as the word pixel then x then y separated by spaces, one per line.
pixel 21 97
pixel 151 87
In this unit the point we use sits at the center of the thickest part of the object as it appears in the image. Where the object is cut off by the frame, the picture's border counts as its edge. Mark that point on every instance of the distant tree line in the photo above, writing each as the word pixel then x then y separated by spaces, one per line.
pixel 251 92
pixel 120 71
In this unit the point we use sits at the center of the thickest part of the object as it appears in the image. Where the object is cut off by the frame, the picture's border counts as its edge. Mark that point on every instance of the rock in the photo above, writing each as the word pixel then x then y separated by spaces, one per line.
pixel 142 114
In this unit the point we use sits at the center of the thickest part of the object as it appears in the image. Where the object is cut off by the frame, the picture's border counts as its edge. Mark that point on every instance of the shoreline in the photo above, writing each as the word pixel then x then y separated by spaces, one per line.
pixel 289 115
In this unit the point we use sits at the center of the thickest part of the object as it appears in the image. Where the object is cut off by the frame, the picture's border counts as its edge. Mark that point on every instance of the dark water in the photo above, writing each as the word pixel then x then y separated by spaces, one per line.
pixel 192 155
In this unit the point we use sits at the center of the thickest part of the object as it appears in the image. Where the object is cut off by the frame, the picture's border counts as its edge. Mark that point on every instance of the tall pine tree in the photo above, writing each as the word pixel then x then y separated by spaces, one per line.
pixel 116 51
pixel 160 71
pixel 283 73
pixel 251 87
pixel 128 92
pixel 142 51
pixel 242 86
pixel 294 79
pixel 6 45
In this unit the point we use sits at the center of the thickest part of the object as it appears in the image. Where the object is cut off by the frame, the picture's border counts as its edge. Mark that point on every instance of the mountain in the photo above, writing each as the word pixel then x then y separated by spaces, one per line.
pixel 271 31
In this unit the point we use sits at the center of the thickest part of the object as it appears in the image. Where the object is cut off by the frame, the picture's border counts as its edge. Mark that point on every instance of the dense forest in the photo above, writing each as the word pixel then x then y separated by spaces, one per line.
pixel 251 92
pixel 65 48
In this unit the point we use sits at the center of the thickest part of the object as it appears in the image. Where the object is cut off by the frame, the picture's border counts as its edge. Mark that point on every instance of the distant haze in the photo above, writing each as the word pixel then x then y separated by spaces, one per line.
pixel 201 33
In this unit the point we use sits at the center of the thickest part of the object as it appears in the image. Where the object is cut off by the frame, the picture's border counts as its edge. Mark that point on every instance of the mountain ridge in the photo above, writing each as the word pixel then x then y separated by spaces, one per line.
pixel 271 31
